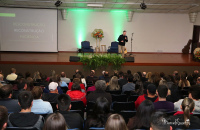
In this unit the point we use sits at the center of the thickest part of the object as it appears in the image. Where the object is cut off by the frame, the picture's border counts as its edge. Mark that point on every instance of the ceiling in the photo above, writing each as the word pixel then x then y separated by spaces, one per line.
pixel 153 6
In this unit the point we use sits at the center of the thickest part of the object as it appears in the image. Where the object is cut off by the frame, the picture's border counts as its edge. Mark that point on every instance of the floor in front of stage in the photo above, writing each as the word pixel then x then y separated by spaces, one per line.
pixel 62 58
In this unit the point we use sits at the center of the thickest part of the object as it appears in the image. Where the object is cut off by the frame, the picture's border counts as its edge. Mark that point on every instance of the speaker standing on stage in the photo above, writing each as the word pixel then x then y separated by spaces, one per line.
pixel 122 40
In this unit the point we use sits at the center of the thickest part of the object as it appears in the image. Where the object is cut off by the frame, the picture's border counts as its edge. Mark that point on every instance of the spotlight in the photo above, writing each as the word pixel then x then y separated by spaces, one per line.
pixel 143 5
pixel 58 3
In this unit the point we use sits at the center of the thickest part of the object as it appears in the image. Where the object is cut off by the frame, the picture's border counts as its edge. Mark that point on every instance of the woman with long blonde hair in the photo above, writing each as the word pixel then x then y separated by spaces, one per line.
pixel 113 84
pixel 116 122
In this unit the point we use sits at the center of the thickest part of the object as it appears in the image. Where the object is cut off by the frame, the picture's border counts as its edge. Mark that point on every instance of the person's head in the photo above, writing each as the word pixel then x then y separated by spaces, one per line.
pixel 198 80
pixel 130 79
pixel 92 72
pixel 1 77
pixel 196 71
pixel 52 73
pixel 64 102
pixel 136 77
pixel 124 32
pixel 103 72
pixel 76 80
pixel 121 74
pixel 62 74
pixel 158 122
pixel 37 92
pixel 114 83
pixel 116 122
pixel 3 117
pixel 53 87
pixel 55 121
pixel 6 91
pixel 25 99
pixel 162 74
pixel 129 72
pixel 187 106
pixel 162 91
pixel 106 74
pixel 144 74
pixel 76 86
pixel 100 85
pixel 13 70
pixel 194 92
pixel 102 106
pixel 151 89
pixel 27 74
pixel 175 73
pixel 148 75
pixel 36 75
pixel 22 84
pixel 76 71
pixel 144 112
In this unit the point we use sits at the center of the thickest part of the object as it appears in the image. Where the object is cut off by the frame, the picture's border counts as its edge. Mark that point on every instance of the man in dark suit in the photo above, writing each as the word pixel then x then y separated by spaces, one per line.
pixel 73 120
pixel 122 40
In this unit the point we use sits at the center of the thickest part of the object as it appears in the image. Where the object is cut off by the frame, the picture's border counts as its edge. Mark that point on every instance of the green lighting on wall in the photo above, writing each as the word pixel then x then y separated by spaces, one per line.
pixel 118 17
pixel 81 17
pixel 7 15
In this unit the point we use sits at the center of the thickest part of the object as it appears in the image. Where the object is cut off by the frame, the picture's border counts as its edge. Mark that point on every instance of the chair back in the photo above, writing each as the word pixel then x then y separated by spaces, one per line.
pixel 120 106
pixel 119 98
pixel 77 105
pixel 114 44
pixel 95 128
pixel 115 92
pixel 127 114
pixel 53 104
pixel 21 128
pixel 132 98
pixel 85 44
pixel 81 113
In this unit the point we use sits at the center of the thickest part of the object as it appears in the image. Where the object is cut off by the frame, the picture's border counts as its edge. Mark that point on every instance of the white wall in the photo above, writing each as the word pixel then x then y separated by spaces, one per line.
pixel 153 32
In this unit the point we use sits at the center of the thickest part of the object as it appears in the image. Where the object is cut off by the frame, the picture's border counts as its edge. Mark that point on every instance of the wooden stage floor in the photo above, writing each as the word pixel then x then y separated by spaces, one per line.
pixel 62 58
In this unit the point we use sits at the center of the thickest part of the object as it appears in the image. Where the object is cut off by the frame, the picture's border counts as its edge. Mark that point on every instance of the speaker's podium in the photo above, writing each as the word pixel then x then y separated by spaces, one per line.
pixel 129 59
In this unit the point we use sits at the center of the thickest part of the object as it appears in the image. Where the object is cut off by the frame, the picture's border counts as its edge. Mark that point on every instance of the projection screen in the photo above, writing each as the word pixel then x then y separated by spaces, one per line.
pixel 30 30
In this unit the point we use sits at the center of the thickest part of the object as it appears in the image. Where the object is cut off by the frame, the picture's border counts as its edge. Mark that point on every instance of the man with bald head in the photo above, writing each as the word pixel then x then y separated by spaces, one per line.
pixel 64 78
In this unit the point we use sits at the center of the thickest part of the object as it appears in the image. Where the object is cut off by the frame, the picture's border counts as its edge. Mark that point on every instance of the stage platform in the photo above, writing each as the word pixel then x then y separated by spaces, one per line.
pixel 62 58
pixel 44 62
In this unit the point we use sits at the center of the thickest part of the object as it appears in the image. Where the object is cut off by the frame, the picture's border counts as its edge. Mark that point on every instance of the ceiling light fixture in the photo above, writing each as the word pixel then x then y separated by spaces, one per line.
pixel 95 5
pixel 143 5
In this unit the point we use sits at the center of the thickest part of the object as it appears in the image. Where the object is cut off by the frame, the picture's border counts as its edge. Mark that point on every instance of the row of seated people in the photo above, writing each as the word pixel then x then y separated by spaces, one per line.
pixel 160 104
pixel 101 114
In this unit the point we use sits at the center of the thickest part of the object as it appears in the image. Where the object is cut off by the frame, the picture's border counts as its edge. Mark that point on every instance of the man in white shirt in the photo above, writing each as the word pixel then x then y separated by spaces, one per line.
pixel 63 77
pixel 12 76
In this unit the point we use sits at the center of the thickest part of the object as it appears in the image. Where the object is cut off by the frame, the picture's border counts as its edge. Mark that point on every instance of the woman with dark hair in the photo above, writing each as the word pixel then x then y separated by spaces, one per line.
pixel 186 117
pixel 77 81
pixel 76 94
pixel 143 116
pixel 55 122
pixel 116 122
pixel 100 114
pixel 183 81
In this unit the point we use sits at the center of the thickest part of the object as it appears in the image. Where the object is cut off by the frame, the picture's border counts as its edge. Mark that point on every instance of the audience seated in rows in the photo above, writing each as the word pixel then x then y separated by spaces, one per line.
pixel 76 94
pixel 101 112
pixel 55 122
pixel 64 78
pixel 130 86
pixel 162 104
pixel 194 94
pixel 142 118
pixel 113 84
pixel 185 117
pixel 99 92
pixel 52 96
pixel 73 120
pixel 12 76
pixel 5 95
pixel 40 106
pixel 115 122
pixel 25 118
pixel 3 117
pixel 151 95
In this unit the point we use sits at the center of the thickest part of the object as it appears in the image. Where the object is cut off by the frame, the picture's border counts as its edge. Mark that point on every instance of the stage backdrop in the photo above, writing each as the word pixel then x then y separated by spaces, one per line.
pixel 32 30
pixel 153 32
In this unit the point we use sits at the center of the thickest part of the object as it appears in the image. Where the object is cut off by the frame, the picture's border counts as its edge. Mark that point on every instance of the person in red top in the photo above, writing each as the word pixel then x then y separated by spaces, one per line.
pixel 78 81
pixel 76 94
pixel 151 95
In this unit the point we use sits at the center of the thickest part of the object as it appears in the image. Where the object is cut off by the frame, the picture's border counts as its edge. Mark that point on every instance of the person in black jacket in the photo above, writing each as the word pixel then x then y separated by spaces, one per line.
pixel 122 39
pixel 73 120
